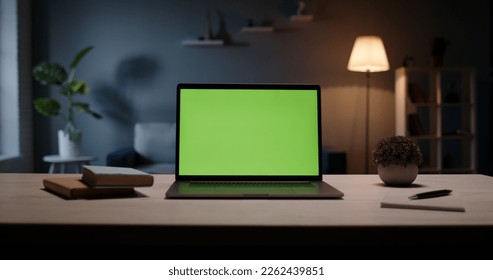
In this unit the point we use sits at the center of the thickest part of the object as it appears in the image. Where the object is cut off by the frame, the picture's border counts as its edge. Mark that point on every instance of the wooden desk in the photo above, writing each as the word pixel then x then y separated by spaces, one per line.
pixel 354 227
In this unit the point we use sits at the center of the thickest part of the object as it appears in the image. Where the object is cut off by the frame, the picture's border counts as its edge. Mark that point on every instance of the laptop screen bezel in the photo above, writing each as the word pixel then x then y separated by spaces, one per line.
pixel 181 177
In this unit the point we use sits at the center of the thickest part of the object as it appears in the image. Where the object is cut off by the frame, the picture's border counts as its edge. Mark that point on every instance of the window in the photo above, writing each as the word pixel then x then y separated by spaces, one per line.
pixel 16 151
pixel 9 80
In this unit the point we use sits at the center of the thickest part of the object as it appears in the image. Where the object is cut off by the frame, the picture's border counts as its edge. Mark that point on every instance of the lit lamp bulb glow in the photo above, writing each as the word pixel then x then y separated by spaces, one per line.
pixel 368 55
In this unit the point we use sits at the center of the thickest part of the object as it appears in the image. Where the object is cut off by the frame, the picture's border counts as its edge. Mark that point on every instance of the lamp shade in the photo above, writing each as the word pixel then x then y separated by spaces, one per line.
pixel 368 55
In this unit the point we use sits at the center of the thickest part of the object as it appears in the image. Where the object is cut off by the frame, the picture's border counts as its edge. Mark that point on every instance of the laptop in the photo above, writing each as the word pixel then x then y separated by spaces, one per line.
pixel 249 141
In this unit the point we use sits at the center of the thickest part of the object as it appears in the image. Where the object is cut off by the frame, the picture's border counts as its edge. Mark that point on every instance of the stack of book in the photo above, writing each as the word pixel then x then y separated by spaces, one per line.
pixel 100 182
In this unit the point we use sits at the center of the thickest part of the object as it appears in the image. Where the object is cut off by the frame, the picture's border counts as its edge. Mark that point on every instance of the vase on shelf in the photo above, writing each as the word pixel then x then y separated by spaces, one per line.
pixel 436 61
pixel 69 143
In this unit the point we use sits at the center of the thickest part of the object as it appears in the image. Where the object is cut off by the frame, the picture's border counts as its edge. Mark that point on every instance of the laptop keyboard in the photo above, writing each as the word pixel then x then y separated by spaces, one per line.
pixel 251 184
pixel 252 187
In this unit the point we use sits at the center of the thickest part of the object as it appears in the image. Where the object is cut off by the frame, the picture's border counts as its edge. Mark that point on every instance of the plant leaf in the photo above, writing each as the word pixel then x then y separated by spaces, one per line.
pixel 48 74
pixel 47 106
pixel 79 87
pixel 79 56
pixel 95 115
pixel 84 108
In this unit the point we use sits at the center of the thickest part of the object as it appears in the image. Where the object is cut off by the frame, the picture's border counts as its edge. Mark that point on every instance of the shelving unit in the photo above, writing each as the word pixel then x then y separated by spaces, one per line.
pixel 436 107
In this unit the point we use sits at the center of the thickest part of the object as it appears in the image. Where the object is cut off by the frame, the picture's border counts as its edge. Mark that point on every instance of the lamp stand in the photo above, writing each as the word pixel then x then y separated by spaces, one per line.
pixel 367 134
pixel 368 55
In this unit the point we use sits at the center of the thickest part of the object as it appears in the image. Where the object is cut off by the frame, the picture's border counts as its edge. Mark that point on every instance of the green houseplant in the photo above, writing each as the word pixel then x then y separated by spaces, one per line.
pixel 397 158
pixel 56 75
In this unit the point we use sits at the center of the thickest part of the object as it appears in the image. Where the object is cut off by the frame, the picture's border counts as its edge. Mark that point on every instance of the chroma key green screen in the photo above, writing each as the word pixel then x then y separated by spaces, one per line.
pixel 248 132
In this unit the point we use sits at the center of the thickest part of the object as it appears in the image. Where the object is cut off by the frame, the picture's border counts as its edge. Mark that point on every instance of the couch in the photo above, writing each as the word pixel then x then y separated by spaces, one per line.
pixel 153 149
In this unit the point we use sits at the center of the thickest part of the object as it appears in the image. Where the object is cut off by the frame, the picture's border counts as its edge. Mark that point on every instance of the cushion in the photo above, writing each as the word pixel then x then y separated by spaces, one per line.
pixel 123 157
pixel 155 141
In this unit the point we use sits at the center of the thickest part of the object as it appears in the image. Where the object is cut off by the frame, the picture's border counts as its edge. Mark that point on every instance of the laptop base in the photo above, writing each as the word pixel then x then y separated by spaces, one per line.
pixel 245 190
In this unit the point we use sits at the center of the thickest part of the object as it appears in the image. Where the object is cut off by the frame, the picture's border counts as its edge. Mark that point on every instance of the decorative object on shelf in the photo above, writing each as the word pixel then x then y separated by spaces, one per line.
pixel 300 13
pixel 438 48
pixel 265 27
pixel 209 35
pixel 221 38
pixel 54 74
pixel 301 8
pixel 408 61
pixel 222 33
pixel 397 158
pixel 368 55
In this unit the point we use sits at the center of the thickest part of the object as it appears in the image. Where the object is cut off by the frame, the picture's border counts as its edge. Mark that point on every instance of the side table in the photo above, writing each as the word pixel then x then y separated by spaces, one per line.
pixel 61 162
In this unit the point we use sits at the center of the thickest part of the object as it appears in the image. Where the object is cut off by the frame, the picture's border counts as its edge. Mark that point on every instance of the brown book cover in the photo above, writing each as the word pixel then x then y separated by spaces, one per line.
pixel 110 176
pixel 73 188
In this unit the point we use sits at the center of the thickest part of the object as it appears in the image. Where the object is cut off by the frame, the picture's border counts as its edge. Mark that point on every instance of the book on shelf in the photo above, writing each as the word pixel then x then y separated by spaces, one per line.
pixel 111 177
pixel 415 125
pixel 74 188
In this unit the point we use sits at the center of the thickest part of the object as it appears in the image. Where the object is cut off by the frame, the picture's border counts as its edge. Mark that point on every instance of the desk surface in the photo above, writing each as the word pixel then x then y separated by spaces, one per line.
pixel 24 206
pixel 23 200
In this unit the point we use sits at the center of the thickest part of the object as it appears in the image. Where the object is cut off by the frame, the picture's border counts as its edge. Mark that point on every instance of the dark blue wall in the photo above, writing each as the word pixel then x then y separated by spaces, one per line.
pixel 138 58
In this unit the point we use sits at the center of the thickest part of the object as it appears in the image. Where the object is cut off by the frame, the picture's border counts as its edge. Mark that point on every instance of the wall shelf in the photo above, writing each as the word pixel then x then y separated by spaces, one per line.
pixel 301 18
pixel 258 29
pixel 202 43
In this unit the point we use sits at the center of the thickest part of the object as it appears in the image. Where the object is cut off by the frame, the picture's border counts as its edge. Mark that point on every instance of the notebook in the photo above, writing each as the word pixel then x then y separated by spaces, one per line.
pixel 444 203
pixel 249 141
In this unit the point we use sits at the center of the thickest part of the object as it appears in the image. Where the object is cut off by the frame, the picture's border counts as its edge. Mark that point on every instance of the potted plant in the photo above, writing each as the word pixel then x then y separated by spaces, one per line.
pixel 69 87
pixel 397 158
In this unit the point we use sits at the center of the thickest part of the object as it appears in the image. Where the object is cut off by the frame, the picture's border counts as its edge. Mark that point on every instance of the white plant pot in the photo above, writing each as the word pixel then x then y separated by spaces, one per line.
pixel 66 147
pixel 398 175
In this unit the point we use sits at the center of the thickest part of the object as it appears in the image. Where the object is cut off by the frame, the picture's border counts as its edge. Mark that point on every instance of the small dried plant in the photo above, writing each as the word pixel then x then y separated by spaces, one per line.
pixel 398 150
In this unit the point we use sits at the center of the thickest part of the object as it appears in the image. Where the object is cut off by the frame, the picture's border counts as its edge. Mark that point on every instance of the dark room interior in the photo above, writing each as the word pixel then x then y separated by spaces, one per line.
pixel 138 59
pixel 119 63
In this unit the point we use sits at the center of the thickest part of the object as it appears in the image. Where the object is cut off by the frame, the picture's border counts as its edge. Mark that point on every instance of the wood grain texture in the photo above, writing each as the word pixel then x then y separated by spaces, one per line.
pixel 22 201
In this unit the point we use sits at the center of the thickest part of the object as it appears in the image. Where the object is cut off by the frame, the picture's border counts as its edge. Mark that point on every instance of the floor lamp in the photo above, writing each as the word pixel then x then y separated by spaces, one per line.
pixel 368 55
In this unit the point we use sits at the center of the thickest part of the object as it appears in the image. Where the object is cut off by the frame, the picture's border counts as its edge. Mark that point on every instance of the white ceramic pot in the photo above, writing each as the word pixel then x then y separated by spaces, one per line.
pixel 398 175
pixel 68 148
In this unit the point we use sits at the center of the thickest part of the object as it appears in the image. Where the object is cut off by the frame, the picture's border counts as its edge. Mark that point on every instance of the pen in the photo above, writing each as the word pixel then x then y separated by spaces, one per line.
pixel 431 194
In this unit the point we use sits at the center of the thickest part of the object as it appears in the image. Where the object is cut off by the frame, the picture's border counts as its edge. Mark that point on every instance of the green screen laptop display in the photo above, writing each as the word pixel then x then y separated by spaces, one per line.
pixel 240 132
